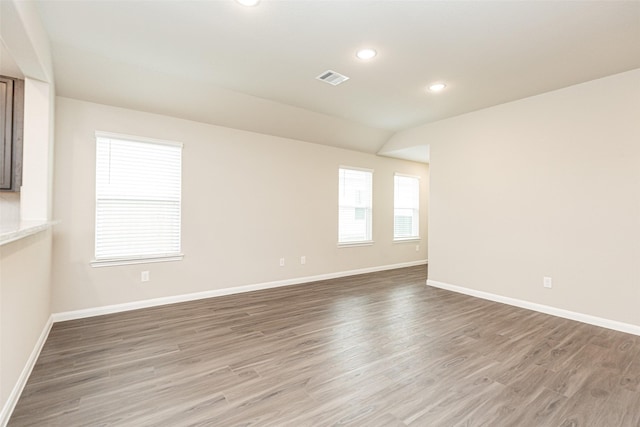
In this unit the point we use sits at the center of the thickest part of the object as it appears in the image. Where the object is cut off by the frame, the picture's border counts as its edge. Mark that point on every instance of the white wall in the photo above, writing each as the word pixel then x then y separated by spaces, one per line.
pixel 37 170
pixel 248 199
pixel 25 265
pixel 25 268
pixel 544 186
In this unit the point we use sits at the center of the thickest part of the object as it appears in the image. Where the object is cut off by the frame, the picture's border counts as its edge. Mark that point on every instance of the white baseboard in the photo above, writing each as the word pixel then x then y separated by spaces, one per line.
pixel 559 312
pixel 117 308
pixel 12 400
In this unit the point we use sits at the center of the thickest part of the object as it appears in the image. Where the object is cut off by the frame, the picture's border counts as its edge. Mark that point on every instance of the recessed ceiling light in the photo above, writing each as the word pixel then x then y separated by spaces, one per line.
pixel 367 53
pixel 249 3
pixel 437 87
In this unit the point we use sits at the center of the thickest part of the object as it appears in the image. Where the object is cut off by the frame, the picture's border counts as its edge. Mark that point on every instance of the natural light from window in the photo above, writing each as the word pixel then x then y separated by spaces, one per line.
pixel 355 206
pixel 138 198
pixel 406 207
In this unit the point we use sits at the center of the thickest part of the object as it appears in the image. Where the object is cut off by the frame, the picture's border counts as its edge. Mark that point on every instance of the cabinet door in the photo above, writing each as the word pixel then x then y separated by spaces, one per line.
pixel 6 134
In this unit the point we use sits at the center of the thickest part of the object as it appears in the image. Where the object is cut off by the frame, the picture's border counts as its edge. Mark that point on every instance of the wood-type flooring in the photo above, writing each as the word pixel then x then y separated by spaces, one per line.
pixel 380 349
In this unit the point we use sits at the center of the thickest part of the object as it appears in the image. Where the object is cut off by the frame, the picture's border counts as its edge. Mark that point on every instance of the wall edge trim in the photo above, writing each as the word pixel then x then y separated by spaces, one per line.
pixel 14 396
pixel 541 308
pixel 154 302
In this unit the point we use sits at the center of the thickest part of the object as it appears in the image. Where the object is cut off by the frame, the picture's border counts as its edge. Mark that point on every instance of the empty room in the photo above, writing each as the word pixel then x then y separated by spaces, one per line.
pixel 319 213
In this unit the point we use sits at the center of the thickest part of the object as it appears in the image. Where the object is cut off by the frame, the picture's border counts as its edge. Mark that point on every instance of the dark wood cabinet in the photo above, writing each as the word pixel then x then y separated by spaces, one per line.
pixel 11 127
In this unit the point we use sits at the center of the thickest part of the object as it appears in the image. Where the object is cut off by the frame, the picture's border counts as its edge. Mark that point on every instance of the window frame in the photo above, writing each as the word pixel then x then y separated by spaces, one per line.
pixel 416 236
pixel 136 259
pixel 367 241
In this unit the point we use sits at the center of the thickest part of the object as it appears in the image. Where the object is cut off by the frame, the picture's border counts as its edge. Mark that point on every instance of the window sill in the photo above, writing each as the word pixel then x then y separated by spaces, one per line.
pixel 353 244
pixel 21 229
pixel 407 240
pixel 129 261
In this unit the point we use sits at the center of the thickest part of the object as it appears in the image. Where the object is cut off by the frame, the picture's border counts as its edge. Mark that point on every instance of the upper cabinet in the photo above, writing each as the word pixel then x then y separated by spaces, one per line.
pixel 11 127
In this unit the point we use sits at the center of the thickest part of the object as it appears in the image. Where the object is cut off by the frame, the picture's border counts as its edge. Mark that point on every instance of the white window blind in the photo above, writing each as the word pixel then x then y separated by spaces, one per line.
pixel 138 198
pixel 406 207
pixel 355 205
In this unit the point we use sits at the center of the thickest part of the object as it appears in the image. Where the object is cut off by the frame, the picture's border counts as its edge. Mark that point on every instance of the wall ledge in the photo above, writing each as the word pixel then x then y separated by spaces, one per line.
pixel 554 311
pixel 21 229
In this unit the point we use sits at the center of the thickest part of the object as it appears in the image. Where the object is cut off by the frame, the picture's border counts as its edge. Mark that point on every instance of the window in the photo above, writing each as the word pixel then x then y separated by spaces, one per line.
pixel 406 207
pixel 355 201
pixel 138 199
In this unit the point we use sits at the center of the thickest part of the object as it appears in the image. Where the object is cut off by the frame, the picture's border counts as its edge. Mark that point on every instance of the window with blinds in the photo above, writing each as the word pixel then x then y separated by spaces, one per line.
pixel 406 207
pixel 355 205
pixel 138 199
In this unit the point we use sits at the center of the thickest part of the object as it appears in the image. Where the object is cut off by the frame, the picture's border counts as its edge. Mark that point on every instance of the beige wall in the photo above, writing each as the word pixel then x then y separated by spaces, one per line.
pixel 248 199
pixel 25 268
pixel 25 264
pixel 545 186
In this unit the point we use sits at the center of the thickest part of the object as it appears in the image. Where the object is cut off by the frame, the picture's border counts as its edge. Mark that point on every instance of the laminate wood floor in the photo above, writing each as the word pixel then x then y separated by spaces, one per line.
pixel 378 349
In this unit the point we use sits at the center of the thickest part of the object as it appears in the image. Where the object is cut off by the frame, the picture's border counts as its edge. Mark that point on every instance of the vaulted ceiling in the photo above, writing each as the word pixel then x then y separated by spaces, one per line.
pixel 254 68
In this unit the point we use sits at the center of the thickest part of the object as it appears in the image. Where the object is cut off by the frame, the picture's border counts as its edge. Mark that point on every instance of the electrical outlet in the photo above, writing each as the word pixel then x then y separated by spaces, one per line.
pixel 547 282
pixel 144 276
pixel 417 248
pixel 303 260
pixel 281 262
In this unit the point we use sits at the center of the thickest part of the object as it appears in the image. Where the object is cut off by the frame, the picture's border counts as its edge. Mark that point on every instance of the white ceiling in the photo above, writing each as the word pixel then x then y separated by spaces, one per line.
pixel 255 68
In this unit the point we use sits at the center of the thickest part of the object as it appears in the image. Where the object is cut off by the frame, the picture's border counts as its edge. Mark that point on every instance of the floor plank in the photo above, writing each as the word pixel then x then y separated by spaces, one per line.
pixel 379 349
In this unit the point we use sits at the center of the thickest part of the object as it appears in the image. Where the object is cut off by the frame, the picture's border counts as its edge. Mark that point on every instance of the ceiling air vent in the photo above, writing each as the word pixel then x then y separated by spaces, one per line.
pixel 332 77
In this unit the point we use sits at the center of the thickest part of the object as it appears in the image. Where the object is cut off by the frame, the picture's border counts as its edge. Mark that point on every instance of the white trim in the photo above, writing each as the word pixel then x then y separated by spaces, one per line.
pixel 407 240
pixel 407 175
pixel 128 261
pixel 554 311
pixel 134 138
pixel 14 396
pixel 355 244
pixel 355 168
pixel 135 305
pixel 12 400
